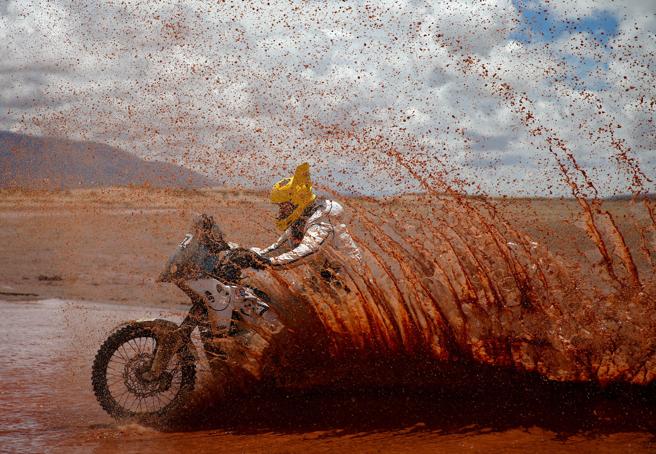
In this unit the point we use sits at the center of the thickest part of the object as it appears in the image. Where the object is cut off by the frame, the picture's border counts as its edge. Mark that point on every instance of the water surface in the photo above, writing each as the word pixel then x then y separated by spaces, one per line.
pixel 48 405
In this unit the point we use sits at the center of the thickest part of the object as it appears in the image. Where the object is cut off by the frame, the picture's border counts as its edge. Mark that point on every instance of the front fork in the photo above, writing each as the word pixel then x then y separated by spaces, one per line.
pixel 169 342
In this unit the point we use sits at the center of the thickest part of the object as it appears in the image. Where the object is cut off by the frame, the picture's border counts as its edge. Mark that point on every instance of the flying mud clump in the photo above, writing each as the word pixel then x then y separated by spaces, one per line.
pixel 448 280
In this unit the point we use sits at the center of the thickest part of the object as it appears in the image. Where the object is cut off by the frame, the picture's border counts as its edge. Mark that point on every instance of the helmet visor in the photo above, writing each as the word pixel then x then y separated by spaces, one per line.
pixel 285 210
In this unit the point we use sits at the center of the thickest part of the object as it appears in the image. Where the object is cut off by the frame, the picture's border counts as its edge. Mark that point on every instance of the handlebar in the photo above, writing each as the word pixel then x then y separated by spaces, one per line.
pixel 232 262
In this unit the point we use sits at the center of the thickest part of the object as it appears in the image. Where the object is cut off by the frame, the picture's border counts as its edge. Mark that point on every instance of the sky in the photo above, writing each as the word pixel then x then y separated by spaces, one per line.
pixel 516 97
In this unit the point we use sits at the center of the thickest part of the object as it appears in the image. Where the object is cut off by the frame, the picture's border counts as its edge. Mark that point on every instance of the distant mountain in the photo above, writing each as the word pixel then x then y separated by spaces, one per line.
pixel 50 163
pixel 649 196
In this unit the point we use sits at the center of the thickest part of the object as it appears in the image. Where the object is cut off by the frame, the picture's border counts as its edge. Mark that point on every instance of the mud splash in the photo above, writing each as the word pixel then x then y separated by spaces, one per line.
pixel 46 388
pixel 448 277
pixel 450 281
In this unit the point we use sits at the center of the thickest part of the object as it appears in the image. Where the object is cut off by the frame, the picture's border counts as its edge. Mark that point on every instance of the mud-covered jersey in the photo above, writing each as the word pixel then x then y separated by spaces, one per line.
pixel 323 233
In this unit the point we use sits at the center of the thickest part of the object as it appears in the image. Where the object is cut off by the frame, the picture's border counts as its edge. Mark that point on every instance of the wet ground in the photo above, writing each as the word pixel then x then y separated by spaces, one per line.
pixel 47 404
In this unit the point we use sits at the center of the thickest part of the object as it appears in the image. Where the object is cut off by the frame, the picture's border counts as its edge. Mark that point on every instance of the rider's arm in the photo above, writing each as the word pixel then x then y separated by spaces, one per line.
pixel 279 242
pixel 312 241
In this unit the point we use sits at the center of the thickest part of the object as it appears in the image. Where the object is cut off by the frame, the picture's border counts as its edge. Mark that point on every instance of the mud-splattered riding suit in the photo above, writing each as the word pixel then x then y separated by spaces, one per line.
pixel 318 237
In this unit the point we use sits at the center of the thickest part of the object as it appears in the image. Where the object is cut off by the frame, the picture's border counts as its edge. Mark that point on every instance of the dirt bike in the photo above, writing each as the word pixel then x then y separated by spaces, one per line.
pixel 146 369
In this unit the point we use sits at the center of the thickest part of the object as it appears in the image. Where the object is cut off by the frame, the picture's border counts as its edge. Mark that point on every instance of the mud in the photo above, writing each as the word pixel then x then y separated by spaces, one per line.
pixel 48 405
pixel 544 309
pixel 447 280
pixel 443 344
pixel 452 281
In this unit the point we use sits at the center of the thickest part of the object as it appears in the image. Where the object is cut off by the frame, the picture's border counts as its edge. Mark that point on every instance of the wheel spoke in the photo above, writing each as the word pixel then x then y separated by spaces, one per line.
pixel 129 344
pixel 118 358
pixel 123 376
pixel 119 369
pixel 127 356
pixel 159 400
pixel 123 398
pixel 128 404
pixel 116 382
pixel 145 344
pixel 120 354
pixel 138 345
pixel 132 344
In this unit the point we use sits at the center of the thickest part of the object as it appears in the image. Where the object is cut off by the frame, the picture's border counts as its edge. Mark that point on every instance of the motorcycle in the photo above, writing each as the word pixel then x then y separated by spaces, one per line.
pixel 146 369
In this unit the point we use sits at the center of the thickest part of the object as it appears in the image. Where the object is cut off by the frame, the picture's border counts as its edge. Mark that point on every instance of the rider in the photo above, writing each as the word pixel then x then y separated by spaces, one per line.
pixel 312 228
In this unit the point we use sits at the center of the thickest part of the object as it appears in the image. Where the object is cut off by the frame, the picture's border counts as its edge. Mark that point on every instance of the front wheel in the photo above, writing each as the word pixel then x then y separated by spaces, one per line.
pixel 119 380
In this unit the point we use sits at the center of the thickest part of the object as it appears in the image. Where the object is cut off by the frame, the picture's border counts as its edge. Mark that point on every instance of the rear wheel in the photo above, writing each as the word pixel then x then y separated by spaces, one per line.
pixel 119 380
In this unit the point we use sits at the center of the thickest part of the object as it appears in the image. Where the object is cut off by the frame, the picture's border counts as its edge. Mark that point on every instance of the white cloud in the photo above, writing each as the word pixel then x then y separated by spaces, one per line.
pixel 236 89
pixel 630 9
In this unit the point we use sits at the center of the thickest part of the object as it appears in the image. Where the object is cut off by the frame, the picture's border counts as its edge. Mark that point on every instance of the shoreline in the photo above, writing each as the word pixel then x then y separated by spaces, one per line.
pixel 91 303
pixel 110 244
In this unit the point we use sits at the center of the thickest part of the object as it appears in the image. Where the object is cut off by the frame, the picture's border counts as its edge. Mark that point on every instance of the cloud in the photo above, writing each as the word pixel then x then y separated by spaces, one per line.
pixel 241 90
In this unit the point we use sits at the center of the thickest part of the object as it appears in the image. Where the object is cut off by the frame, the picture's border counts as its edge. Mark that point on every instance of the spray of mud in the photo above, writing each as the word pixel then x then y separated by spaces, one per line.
pixel 449 292
pixel 450 285
pixel 448 280
pixel 444 280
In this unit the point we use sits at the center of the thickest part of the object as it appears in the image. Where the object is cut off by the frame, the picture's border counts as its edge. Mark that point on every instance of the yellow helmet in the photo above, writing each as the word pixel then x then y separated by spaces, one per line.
pixel 296 190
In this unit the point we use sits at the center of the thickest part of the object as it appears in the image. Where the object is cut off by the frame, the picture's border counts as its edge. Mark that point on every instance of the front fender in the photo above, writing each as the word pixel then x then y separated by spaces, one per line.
pixel 159 326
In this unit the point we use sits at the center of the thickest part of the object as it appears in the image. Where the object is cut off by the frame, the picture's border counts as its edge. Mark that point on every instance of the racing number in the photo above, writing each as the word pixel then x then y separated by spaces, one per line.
pixel 187 239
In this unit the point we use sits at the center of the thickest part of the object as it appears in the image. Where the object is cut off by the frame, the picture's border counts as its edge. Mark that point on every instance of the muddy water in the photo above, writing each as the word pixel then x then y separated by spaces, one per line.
pixel 48 405
pixel 450 281
pixel 45 364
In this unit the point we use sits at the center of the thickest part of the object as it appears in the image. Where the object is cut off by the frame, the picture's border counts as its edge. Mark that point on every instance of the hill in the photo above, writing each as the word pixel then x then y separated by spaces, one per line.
pixel 52 163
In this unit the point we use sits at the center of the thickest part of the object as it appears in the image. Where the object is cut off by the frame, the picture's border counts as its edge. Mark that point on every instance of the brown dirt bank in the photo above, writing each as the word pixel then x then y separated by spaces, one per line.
pixel 110 244
pixel 510 283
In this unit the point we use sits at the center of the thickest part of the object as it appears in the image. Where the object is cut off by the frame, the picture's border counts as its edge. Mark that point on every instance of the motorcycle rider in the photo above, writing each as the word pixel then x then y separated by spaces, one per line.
pixel 312 228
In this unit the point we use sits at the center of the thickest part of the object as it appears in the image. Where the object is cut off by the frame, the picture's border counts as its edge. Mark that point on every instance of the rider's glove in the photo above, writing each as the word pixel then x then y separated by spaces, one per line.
pixel 228 270
pixel 246 258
